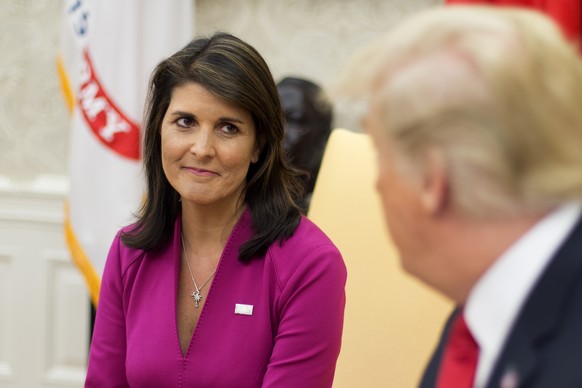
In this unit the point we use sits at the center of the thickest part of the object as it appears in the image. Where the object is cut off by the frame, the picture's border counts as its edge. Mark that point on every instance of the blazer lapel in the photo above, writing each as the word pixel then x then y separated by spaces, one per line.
pixel 539 316
pixel 430 375
pixel 516 363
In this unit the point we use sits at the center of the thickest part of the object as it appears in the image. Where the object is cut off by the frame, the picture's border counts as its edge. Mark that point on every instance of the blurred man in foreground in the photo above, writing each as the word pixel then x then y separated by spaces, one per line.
pixel 477 119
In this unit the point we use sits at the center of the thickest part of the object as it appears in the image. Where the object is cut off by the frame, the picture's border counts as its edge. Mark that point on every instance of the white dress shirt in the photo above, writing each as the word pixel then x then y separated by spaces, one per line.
pixel 498 296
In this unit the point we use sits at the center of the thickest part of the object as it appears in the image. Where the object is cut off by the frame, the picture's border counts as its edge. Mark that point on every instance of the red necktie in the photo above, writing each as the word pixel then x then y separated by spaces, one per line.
pixel 460 356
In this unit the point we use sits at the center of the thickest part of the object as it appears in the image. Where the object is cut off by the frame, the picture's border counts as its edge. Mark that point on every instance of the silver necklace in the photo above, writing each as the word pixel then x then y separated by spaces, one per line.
pixel 196 295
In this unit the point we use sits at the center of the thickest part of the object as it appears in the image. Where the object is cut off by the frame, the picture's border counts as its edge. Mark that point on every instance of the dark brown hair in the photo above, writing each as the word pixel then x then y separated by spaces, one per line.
pixel 235 72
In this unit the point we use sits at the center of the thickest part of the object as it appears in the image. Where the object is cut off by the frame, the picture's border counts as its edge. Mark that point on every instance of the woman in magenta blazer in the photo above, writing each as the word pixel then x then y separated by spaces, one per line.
pixel 220 282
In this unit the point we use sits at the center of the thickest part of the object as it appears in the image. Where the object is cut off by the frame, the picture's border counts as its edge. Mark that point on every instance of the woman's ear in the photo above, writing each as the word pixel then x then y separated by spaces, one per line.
pixel 257 151
pixel 435 185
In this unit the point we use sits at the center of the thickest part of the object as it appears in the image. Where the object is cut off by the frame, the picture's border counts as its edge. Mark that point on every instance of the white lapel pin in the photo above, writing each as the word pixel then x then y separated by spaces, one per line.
pixel 510 379
pixel 243 309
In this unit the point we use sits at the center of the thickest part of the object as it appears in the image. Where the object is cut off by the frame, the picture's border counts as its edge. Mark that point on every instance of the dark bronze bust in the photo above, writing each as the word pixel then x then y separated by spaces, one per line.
pixel 308 115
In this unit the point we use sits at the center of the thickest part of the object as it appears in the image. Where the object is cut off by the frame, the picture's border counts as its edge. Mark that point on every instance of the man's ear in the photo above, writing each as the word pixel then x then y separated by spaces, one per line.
pixel 435 185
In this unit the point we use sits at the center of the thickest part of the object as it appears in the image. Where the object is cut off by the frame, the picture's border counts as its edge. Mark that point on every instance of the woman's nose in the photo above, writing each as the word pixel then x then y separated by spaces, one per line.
pixel 202 145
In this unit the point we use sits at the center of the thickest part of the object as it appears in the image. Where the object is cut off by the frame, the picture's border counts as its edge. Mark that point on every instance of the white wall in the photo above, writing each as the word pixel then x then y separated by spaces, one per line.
pixel 44 306
pixel 33 119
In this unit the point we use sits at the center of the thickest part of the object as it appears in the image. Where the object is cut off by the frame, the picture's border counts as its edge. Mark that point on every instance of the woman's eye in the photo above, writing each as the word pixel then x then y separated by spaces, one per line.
pixel 229 129
pixel 185 122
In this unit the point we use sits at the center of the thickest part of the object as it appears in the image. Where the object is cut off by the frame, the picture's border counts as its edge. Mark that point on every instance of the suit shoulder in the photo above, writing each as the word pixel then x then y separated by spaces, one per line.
pixel 124 255
pixel 307 251
pixel 308 235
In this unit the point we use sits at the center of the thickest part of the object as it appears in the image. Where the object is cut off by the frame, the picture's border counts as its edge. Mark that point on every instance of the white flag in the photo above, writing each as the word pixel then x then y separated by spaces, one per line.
pixel 110 47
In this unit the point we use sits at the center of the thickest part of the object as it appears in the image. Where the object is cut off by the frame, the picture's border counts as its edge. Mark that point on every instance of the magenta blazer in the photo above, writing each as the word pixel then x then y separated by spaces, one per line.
pixel 292 337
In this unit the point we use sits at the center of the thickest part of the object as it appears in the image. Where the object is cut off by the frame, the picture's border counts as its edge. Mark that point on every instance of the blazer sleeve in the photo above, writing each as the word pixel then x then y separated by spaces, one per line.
pixel 108 347
pixel 311 311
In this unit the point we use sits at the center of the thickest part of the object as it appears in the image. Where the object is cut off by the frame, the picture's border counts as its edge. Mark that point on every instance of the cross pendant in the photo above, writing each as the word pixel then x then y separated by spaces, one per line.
pixel 197 296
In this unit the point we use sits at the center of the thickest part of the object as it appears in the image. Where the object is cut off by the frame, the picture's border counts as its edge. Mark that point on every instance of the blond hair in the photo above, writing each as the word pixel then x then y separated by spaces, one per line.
pixel 497 91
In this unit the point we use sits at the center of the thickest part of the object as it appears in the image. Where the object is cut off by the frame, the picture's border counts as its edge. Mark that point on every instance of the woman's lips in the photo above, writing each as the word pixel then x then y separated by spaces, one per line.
pixel 201 171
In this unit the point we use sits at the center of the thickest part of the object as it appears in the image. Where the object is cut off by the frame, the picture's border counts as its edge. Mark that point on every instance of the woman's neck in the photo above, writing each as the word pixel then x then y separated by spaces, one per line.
pixel 207 228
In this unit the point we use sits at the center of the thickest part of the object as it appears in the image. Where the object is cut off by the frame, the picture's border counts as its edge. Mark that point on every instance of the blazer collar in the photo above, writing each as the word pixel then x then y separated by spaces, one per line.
pixel 541 313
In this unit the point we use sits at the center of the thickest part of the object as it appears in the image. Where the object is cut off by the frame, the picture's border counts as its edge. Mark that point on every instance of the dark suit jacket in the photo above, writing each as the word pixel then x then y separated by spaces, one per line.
pixel 544 346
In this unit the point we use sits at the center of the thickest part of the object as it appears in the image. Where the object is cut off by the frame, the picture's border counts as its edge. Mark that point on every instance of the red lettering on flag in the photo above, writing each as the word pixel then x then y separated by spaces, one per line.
pixel 106 120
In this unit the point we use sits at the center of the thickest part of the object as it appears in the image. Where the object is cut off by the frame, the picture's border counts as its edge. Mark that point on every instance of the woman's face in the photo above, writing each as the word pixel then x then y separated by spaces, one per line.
pixel 208 145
